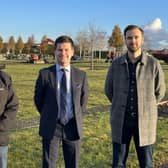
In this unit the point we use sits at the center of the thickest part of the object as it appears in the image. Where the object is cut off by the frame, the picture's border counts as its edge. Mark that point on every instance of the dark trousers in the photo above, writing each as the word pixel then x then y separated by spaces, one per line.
pixel 120 151
pixel 67 135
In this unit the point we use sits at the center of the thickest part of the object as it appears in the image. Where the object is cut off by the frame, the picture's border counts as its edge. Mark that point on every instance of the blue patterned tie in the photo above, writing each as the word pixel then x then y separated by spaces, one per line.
pixel 63 99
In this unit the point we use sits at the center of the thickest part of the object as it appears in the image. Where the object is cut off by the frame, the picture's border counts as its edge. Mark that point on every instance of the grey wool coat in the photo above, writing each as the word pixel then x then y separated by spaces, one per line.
pixel 150 90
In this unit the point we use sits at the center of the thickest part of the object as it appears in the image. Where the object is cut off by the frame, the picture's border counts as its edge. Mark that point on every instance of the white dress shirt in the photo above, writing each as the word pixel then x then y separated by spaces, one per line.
pixel 59 74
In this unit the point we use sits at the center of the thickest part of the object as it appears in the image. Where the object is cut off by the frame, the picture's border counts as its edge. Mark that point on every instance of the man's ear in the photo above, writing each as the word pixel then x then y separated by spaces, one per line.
pixel 143 40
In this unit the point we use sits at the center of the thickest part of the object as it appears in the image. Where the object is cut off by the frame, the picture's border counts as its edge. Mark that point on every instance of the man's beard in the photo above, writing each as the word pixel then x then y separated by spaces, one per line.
pixel 133 50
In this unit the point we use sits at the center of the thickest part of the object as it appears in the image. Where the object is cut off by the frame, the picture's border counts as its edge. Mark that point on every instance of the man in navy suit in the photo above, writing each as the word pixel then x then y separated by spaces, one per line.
pixel 48 100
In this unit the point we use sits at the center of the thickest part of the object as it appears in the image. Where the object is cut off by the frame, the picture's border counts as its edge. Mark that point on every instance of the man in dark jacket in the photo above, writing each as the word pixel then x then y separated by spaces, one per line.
pixel 60 97
pixel 8 110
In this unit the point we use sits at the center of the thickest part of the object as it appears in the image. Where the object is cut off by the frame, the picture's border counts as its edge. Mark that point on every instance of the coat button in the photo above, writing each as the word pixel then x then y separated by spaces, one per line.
pixel 133 114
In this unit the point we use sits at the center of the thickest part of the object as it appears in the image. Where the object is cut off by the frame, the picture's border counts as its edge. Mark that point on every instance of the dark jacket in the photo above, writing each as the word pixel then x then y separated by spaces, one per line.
pixel 46 99
pixel 8 107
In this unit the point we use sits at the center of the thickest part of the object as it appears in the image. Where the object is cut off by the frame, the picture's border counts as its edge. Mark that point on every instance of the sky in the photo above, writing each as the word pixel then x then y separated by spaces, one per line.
pixel 57 17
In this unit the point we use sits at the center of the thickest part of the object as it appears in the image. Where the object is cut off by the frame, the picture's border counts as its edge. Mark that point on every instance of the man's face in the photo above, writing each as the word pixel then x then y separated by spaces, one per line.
pixel 63 53
pixel 134 40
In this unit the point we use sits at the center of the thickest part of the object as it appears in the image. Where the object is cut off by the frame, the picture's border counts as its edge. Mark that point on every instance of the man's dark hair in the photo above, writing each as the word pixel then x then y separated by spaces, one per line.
pixel 131 27
pixel 64 39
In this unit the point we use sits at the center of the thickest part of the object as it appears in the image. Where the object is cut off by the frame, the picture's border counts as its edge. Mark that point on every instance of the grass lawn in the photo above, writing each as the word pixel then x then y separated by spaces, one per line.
pixel 96 152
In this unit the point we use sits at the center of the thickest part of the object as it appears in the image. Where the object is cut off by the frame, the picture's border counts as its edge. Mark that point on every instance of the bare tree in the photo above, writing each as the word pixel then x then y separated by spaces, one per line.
pixel 91 40
pixel 101 42
pixel 81 40
pixel 96 40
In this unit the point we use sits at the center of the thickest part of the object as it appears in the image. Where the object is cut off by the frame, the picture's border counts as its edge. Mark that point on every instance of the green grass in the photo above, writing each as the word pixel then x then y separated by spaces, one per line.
pixel 96 152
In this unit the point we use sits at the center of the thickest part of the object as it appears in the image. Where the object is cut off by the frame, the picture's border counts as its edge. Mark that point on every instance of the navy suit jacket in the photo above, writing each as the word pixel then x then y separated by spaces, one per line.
pixel 45 99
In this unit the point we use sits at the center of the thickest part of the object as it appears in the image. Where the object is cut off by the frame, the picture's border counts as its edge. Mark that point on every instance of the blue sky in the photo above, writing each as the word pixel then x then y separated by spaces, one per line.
pixel 54 17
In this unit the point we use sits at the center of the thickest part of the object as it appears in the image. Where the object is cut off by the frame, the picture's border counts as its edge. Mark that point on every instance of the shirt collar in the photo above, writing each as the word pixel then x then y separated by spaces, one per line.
pixel 138 60
pixel 143 59
pixel 59 68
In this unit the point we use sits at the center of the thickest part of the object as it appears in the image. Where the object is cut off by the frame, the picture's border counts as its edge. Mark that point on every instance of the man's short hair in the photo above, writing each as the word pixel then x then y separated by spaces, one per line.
pixel 64 39
pixel 131 27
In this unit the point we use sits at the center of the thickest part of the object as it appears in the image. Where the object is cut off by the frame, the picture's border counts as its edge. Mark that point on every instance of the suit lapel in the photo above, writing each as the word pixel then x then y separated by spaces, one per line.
pixel 73 84
pixel 53 78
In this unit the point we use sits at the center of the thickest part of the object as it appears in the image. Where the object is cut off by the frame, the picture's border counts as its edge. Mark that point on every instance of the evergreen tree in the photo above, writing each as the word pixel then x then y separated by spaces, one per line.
pixel 116 39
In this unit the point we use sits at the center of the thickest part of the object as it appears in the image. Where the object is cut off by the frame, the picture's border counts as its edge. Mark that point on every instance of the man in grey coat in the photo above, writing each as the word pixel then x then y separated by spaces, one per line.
pixel 134 85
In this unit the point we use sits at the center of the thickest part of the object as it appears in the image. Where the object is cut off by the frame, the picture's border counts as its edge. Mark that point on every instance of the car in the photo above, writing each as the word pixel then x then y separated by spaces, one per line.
pixel 75 57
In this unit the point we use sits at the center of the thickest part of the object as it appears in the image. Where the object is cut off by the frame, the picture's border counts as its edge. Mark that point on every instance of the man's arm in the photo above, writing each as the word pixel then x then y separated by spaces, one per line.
pixel 38 93
pixel 84 94
pixel 160 87
pixel 108 88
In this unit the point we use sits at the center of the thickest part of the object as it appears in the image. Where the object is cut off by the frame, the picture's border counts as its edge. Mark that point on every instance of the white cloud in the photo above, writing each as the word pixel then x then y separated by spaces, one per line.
pixel 156 24
pixel 156 35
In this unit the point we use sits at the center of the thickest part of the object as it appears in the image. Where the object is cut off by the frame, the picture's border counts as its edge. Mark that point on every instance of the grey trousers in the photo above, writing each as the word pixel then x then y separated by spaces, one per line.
pixel 3 156
pixel 68 137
